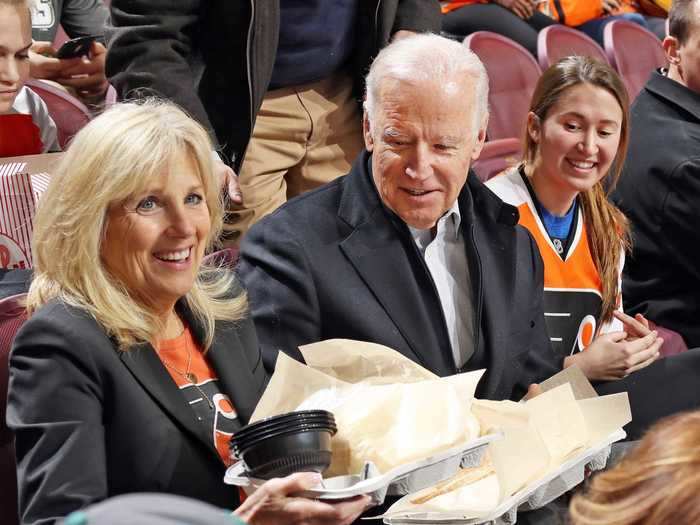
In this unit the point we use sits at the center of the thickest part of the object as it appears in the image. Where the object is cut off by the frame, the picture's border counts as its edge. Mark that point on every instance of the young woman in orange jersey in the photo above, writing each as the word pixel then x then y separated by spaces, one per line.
pixel 576 138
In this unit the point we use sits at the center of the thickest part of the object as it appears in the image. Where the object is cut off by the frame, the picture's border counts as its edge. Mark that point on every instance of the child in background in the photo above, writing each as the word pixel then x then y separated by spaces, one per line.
pixel 25 125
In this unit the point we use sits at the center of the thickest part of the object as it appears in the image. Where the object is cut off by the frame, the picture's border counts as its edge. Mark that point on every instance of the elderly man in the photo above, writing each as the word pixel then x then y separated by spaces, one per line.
pixel 408 250
pixel 660 188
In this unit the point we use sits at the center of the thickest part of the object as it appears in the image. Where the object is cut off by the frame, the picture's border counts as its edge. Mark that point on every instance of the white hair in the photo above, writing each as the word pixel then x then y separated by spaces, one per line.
pixel 423 58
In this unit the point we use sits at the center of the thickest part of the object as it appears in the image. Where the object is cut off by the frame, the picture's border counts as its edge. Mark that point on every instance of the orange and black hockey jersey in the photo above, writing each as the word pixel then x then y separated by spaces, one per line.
pixel 572 285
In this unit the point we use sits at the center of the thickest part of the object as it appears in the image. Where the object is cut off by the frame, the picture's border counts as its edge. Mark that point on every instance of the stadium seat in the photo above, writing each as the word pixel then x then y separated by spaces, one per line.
pixel 673 341
pixel 12 315
pixel 634 51
pixel 513 74
pixel 224 258
pixel 496 156
pixel 558 41
pixel 68 112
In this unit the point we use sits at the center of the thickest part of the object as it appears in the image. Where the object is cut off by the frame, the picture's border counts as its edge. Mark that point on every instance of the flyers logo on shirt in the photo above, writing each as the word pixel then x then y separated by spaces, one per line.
pixel 225 424
pixel 43 14
pixel 222 420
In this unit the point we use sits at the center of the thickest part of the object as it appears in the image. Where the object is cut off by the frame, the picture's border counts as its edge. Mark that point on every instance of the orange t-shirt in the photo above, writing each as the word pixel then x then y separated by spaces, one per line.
pixel 190 370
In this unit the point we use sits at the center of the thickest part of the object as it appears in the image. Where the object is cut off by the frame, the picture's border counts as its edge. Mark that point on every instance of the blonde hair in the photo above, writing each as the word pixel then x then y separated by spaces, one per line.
pixel 658 482
pixel 608 229
pixel 111 159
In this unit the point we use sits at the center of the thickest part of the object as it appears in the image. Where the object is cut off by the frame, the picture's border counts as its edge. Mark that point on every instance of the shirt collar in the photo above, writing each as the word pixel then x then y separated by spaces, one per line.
pixel 449 223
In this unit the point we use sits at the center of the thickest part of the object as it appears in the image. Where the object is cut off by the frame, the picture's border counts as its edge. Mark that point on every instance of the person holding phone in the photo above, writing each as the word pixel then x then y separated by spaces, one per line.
pixel 25 125
pixel 83 74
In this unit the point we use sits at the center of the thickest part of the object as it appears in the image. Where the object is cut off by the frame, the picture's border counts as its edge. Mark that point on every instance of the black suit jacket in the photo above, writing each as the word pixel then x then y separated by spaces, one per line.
pixel 335 263
pixel 660 194
pixel 92 422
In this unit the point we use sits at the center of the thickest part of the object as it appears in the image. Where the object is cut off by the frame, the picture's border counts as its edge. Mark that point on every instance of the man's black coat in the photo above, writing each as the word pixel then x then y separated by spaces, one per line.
pixel 335 263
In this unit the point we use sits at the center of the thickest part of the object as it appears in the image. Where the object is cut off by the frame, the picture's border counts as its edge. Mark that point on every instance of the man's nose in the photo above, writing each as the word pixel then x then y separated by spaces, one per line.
pixel 420 165
pixel 9 72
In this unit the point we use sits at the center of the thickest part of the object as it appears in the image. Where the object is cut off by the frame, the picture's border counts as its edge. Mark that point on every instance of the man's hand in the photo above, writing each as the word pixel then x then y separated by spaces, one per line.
pixel 86 74
pixel 42 61
pixel 227 179
pixel 533 390
pixel 273 503
pixel 611 6
pixel 523 8
pixel 612 356
pixel 402 33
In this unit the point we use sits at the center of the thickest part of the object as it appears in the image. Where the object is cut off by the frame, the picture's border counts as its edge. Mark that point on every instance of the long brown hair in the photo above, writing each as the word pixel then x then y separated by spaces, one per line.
pixel 658 482
pixel 608 229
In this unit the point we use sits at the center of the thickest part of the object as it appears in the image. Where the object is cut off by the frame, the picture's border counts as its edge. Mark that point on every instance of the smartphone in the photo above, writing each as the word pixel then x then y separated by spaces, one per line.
pixel 76 47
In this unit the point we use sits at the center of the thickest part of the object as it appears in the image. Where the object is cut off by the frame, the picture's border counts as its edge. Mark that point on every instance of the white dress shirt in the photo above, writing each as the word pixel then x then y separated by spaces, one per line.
pixel 446 258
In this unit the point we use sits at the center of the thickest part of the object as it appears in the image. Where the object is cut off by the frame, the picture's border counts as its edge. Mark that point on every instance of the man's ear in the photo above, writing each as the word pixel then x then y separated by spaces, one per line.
pixel 534 127
pixel 480 139
pixel 367 132
pixel 672 50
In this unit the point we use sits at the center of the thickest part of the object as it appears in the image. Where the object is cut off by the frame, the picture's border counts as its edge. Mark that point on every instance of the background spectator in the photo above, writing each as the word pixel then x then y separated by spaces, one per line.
pixel 83 76
pixel 25 125
pixel 660 189
pixel 518 20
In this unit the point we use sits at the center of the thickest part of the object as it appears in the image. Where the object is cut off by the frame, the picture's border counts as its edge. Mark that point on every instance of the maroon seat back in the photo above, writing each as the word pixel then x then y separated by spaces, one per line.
pixel 513 74
pixel 557 41
pixel 496 156
pixel 673 341
pixel 69 114
pixel 224 258
pixel 634 51
pixel 12 315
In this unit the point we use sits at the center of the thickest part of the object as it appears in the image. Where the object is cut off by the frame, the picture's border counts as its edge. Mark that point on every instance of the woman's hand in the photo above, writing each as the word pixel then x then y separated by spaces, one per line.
pixel 613 356
pixel 636 327
pixel 523 8
pixel 273 504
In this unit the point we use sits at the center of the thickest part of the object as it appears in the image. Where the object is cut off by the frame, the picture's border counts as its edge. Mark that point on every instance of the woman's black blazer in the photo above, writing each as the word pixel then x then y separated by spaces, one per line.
pixel 92 422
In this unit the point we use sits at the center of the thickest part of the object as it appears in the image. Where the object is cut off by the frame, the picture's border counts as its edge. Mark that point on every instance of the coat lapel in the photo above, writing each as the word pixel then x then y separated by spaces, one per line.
pixel 143 362
pixel 493 222
pixel 392 270
pixel 234 379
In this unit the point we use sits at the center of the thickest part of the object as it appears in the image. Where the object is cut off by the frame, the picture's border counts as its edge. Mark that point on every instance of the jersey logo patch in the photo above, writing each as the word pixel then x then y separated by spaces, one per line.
pixel 571 316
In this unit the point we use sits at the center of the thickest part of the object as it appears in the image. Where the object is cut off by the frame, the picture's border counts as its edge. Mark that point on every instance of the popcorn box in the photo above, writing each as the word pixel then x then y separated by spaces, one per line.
pixel 23 180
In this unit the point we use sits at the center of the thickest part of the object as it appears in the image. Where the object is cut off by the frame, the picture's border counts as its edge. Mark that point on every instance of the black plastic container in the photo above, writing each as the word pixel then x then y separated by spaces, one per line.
pixel 284 444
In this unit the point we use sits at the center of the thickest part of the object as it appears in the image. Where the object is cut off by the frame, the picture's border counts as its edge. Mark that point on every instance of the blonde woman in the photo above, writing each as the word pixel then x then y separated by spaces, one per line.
pixel 137 363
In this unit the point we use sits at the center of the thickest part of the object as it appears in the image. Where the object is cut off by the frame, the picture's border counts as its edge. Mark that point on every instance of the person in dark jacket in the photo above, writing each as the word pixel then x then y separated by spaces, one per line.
pixel 660 187
pixel 278 80
pixel 138 362
pixel 407 250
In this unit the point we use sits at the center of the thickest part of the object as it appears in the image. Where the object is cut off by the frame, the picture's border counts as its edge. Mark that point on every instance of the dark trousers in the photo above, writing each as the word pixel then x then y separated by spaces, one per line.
pixel 665 387
pixel 492 17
